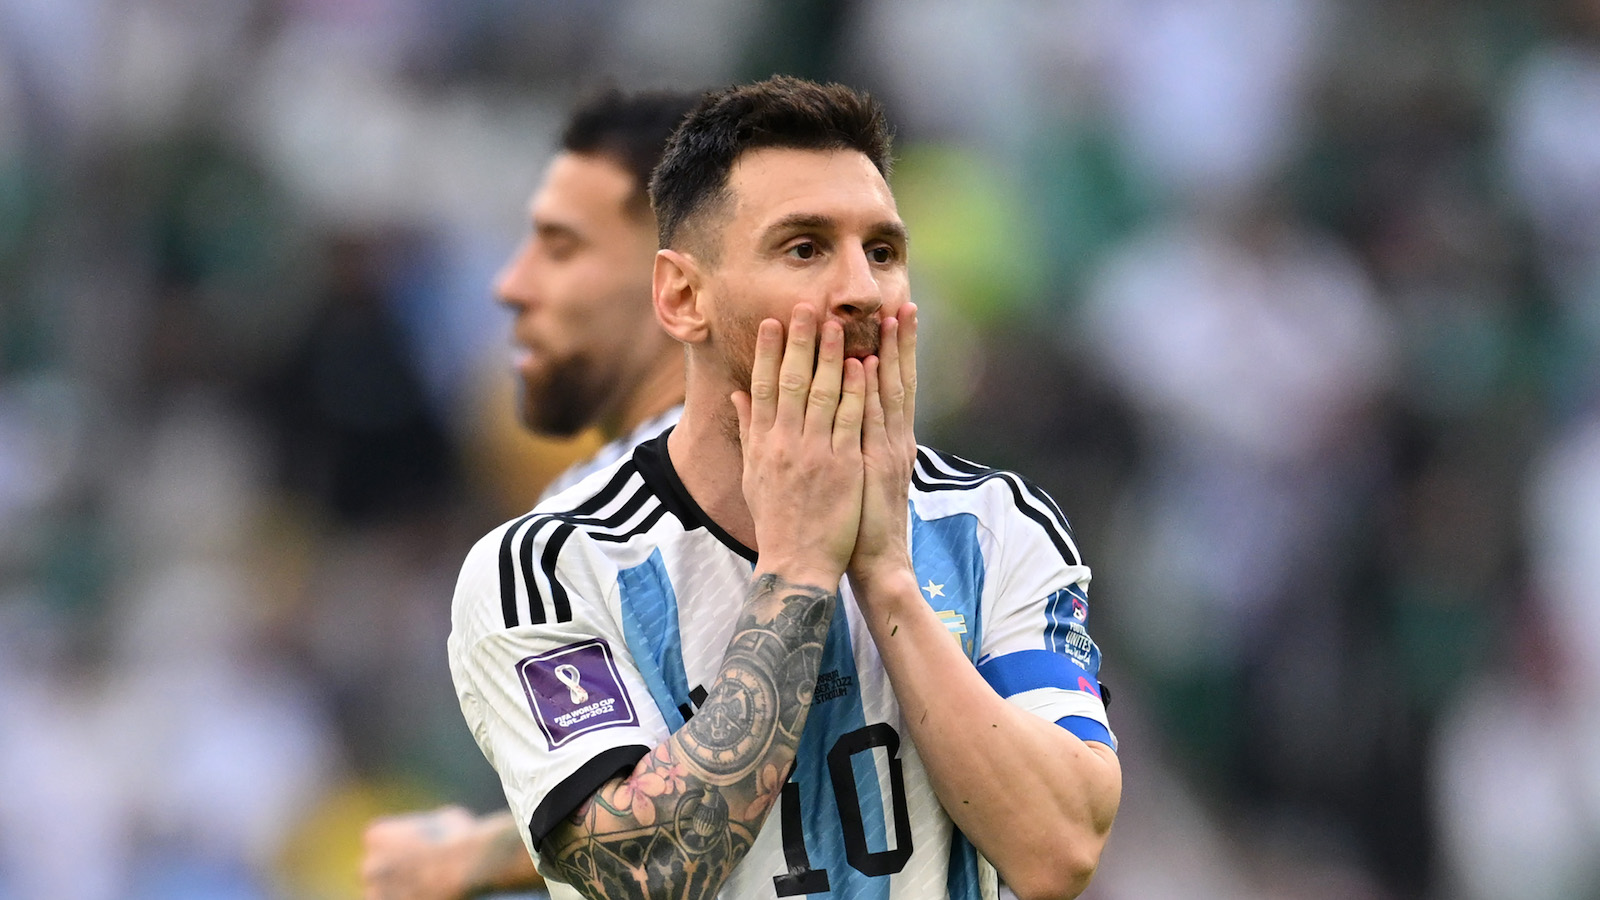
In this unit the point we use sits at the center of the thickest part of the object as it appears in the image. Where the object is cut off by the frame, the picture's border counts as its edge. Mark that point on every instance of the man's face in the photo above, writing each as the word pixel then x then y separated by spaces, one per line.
pixel 579 286
pixel 804 227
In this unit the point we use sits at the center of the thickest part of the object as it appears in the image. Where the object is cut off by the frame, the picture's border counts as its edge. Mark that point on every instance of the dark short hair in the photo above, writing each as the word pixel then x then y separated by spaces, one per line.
pixel 780 112
pixel 630 130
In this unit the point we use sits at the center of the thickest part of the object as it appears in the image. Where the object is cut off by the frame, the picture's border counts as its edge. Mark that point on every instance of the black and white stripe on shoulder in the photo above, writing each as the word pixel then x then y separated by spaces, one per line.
pixel 621 509
pixel 939 471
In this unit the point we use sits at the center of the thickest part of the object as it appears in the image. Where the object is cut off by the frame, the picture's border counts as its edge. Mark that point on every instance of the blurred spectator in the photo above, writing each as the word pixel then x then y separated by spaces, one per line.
pixel 1553 160
pixel 1224 335
pixel 357 432
pixel 1517 785
pixel 1254 353
pixel 1208 96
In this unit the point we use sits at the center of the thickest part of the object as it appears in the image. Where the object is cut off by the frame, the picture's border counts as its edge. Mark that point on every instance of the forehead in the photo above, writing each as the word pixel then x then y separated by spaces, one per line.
pixel 773 183
pixel 582 184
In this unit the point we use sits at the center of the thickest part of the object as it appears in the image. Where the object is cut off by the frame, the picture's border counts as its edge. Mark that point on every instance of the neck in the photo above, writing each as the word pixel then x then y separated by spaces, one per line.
pixel 657 390
pixel 705 451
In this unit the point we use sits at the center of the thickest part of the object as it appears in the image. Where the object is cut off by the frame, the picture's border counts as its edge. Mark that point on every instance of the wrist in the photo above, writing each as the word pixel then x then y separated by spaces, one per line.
pixel 800 571
pixel 497 861
pixel 884 579
pixel 473 851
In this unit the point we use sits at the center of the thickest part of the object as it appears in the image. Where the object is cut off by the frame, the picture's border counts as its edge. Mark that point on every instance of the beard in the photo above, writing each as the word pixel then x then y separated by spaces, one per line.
pixel 734 339
pixel 563 398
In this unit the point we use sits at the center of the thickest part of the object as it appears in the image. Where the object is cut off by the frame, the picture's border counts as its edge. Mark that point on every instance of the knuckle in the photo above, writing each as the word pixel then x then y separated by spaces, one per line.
pixel 792 382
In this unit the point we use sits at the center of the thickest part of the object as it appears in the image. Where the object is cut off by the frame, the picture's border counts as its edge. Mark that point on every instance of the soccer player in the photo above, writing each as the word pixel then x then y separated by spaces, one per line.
pixel 590 354
pixel 782 650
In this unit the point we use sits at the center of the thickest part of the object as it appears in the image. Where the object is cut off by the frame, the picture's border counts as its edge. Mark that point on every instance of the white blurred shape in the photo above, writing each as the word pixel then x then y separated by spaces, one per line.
pixel 61 831
pixel 1209 93
pixel 1564 542
pixel 1518 814
pixel 1251 354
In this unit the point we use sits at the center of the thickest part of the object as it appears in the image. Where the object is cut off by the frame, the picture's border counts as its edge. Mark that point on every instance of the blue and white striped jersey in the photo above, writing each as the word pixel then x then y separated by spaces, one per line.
pixel 585 632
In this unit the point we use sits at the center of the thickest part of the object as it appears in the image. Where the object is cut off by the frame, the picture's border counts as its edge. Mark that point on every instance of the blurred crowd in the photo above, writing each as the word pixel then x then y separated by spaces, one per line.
pixel 1293 305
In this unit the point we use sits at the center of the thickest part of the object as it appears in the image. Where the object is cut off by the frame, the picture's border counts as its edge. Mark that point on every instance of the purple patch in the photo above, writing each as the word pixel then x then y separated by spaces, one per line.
pixel 574 690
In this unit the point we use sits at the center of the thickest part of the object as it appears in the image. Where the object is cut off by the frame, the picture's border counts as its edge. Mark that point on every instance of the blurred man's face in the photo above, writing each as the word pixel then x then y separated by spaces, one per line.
pixel 804 227
pixel 579 286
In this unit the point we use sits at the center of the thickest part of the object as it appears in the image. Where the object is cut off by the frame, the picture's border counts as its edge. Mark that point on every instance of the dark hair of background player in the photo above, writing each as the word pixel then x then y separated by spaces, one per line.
pixel 629 130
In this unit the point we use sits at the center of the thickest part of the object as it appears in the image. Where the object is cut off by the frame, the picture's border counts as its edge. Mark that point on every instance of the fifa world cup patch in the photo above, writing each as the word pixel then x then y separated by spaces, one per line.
pixel 575 689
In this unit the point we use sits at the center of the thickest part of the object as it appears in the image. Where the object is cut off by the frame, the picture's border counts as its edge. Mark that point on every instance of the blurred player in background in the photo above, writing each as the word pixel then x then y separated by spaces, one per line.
pixel 589 354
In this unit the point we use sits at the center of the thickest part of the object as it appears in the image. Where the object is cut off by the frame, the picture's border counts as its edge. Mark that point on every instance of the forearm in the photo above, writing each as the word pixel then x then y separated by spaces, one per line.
pixel 1034 798
pixel 502 863
pixel 688 813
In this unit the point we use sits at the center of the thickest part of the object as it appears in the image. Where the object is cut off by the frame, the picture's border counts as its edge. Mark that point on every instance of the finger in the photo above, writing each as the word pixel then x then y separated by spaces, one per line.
pixel 741 408
pixel 794 373
pixel 908 365
pixel 763 394
pixel 823 400
pixel 872 430
pixel 847 419
pixel 890 391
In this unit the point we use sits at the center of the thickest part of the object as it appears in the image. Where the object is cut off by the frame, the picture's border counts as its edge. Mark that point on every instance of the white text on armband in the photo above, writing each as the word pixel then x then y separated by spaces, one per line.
pixel 1079 644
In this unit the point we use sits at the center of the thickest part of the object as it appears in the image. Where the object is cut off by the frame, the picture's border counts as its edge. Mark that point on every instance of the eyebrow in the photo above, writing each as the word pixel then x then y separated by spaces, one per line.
pixel 887 228
pixel 547 230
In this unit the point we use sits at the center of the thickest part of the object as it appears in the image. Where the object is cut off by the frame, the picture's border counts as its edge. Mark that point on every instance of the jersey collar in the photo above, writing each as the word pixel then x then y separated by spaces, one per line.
pixel 655 466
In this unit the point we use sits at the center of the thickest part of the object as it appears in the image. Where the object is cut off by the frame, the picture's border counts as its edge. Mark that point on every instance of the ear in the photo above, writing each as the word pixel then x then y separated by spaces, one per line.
pixel 676 291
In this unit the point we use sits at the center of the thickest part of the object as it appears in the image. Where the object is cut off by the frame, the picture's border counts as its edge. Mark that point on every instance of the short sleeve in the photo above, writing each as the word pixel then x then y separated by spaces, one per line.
pixel 1036 650
pixel 542 672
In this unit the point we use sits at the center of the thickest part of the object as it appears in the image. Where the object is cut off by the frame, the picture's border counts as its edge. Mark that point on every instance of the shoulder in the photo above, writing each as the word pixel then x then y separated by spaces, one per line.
pixel 612 453
pixel 581 478
pixel 1006 503
pixel 537 568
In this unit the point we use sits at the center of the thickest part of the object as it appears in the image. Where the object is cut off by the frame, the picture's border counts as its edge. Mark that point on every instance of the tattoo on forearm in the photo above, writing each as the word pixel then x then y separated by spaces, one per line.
pixel 690 810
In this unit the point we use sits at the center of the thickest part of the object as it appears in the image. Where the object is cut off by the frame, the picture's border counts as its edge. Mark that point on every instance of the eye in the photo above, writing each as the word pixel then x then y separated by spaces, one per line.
pixel 558 247
pixel 803 250
pixel 881 255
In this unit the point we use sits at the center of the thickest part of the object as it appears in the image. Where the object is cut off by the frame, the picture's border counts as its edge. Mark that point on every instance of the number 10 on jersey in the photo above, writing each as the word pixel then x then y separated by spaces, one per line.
pixel 801 877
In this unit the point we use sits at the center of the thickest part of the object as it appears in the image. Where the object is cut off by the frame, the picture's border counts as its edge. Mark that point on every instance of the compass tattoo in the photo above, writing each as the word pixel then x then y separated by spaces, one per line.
pixel 688 813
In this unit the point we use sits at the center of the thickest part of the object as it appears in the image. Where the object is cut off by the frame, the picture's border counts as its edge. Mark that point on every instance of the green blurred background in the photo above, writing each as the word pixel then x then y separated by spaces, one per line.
pixel 1293 305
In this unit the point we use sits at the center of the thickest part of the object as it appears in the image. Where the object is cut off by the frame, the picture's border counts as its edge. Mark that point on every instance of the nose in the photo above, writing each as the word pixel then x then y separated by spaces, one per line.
pixel 858 295
pixel 514 284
